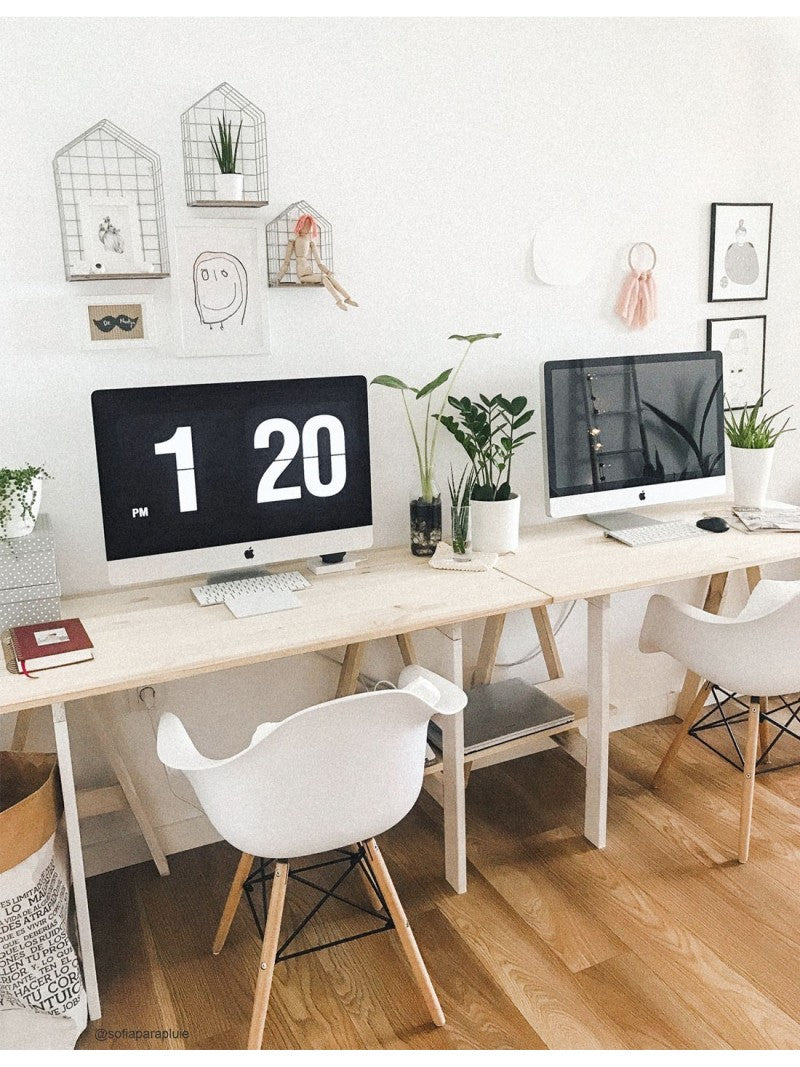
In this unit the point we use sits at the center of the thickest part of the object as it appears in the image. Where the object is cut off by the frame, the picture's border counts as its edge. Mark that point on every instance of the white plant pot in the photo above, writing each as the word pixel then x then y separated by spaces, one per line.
pixel 751 468
pixel 19 525
pixel 495 525
pixel 229 186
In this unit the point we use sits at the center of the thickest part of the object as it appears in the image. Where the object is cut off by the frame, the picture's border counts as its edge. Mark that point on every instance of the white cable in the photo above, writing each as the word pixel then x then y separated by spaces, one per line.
pixel 537 651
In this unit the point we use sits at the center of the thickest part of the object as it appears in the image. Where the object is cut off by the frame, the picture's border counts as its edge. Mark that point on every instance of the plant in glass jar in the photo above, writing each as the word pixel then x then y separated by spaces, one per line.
pixel 460 496
pixel 426 505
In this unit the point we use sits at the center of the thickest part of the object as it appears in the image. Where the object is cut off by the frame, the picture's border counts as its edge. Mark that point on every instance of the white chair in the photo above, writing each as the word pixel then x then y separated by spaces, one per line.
pixel 326 778
pixel 756 653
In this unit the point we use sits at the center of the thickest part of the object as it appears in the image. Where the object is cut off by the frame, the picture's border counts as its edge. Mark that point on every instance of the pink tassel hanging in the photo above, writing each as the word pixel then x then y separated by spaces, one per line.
pixel 636 303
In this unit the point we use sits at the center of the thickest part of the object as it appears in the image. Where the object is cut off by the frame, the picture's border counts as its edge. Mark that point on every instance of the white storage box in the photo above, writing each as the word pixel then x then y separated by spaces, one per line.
pixel 29 587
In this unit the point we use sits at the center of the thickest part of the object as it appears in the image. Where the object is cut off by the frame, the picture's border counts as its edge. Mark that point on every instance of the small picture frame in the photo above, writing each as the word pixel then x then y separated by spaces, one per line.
pixel 116 322
pixel 742 342
pixel 738 261
pixel 111 236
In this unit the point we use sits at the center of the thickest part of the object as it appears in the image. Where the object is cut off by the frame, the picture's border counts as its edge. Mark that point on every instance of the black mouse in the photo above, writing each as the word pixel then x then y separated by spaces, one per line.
pixel 714 524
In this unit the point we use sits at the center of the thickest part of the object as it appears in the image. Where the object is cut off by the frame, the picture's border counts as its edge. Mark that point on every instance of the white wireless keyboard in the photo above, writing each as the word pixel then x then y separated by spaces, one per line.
pixel 653 534
pixel 219 592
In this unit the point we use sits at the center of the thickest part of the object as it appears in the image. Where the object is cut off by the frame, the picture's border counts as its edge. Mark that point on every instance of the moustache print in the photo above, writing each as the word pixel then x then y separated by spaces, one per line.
pixel 110 322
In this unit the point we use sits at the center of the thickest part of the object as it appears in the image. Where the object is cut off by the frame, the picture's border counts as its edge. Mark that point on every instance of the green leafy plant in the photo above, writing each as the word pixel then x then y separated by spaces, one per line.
pixel 460 496
pixel 488 431
pixel 224 149
pixel 15 492
pixel 707 462
pixel 752 428
pixel 424 440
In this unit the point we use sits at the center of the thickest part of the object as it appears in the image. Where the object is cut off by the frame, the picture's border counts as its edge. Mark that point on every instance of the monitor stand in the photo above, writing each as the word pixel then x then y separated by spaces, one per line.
pixel 621 520
pixel 236 575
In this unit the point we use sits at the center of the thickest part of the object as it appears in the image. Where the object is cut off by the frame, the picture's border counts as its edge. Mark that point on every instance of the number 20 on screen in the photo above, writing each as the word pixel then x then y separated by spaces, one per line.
pixel 180 446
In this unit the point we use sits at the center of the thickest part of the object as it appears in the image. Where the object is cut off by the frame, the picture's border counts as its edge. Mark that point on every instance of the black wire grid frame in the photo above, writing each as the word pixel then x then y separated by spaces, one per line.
pixel 199 163
pixel 256 884
pixel 719 716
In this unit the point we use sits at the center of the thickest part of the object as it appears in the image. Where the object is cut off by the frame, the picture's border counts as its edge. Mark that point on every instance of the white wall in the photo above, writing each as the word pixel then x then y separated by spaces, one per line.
pixel 434 147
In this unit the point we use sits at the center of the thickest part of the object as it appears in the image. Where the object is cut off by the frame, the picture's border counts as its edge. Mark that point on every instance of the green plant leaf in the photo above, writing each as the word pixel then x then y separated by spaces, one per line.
pixel 440 379
pixel 471 337
pixel 526 417
pixel 518 405
pixel 503 492
pixel 391 382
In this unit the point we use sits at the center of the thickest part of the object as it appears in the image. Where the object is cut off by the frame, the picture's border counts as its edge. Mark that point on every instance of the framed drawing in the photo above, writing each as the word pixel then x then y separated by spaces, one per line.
pixel 114 322
pixel 738 261
pixel 221 269
pixel 742 342
pixel 112 236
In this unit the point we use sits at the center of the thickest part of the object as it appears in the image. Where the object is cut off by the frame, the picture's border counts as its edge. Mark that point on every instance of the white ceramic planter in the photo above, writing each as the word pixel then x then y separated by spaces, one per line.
pixel 19 525
pixel 751 468
pixel 495 525
pixel 229 186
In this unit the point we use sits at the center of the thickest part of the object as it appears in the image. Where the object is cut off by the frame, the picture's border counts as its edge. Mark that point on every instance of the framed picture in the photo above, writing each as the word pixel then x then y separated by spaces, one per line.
pixel 111 236
pixel 113 322
pixel 222 276
pixel 738 262
pixel 742 342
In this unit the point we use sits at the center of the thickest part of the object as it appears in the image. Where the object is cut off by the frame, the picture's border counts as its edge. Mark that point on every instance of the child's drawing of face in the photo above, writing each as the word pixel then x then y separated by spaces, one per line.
pixel 220 287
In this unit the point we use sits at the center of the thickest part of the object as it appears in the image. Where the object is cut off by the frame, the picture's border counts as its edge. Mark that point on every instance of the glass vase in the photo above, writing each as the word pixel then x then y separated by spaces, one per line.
pixel 426 524
pixel 460 518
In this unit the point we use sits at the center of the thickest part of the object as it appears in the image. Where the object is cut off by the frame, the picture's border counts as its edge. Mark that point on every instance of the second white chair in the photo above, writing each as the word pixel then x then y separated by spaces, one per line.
pixel 757 653
pixel 325 778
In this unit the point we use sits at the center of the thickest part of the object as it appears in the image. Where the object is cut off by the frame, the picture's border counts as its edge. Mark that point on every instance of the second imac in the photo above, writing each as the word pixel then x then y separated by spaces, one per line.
pixel 626 431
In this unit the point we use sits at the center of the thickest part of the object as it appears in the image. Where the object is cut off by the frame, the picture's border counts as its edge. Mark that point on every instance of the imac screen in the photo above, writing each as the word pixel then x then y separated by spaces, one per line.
pixel 200 466
pixel 616 423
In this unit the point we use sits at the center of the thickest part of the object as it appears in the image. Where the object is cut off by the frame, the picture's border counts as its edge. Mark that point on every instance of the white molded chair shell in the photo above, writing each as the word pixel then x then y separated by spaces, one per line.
pixel 756 653
pixel 324 778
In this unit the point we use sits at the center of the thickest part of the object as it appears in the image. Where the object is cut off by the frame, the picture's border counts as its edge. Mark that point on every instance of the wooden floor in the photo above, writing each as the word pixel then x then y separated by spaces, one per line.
pixel 660 941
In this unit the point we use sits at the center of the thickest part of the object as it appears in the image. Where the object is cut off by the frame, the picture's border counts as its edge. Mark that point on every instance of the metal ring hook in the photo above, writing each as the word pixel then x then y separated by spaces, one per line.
pixel 642 244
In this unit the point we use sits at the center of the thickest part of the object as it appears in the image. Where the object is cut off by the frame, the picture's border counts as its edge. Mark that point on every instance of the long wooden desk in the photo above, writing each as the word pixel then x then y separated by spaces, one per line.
pixel 158 633
pixel 573 560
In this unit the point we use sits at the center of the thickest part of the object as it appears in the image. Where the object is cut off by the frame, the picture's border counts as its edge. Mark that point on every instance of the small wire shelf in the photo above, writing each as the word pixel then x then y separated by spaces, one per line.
pixel 279 233
pixel 111 207
pixel 199 162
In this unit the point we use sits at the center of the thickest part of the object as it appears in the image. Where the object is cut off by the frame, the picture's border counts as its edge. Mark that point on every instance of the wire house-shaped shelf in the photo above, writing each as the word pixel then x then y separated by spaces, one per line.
pixel 199 163
pixel 281 230
pixel 111 206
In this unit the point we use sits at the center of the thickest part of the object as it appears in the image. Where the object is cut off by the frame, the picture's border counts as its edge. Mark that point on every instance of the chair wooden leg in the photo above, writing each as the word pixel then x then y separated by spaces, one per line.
pixel 407 940
pixel 232 903
pixel 266 965
pixel 681 733
pixel 746 816
pixel 764 737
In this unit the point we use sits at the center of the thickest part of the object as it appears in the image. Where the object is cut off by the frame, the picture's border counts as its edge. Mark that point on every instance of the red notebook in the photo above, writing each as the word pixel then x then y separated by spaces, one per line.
pixel 50 644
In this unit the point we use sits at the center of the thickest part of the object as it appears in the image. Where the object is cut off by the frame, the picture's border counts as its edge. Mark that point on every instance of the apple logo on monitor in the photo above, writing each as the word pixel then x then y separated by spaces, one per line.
pixel 249 553
pixel 641 495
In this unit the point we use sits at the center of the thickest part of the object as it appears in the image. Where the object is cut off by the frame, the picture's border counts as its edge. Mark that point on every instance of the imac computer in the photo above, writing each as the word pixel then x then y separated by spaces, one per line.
pixel 196 478
pixel 627 431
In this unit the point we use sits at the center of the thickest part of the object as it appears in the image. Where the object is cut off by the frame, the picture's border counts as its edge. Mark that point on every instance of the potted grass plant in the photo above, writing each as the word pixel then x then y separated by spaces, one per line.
pixel 425 507
pixel 20 499
pixel 488 431
pixel 752 435
pixel 228 185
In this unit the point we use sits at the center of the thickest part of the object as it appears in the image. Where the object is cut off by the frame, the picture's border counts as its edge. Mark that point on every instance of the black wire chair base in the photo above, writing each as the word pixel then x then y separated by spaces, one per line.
pixel 256 885
pixel 732 710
